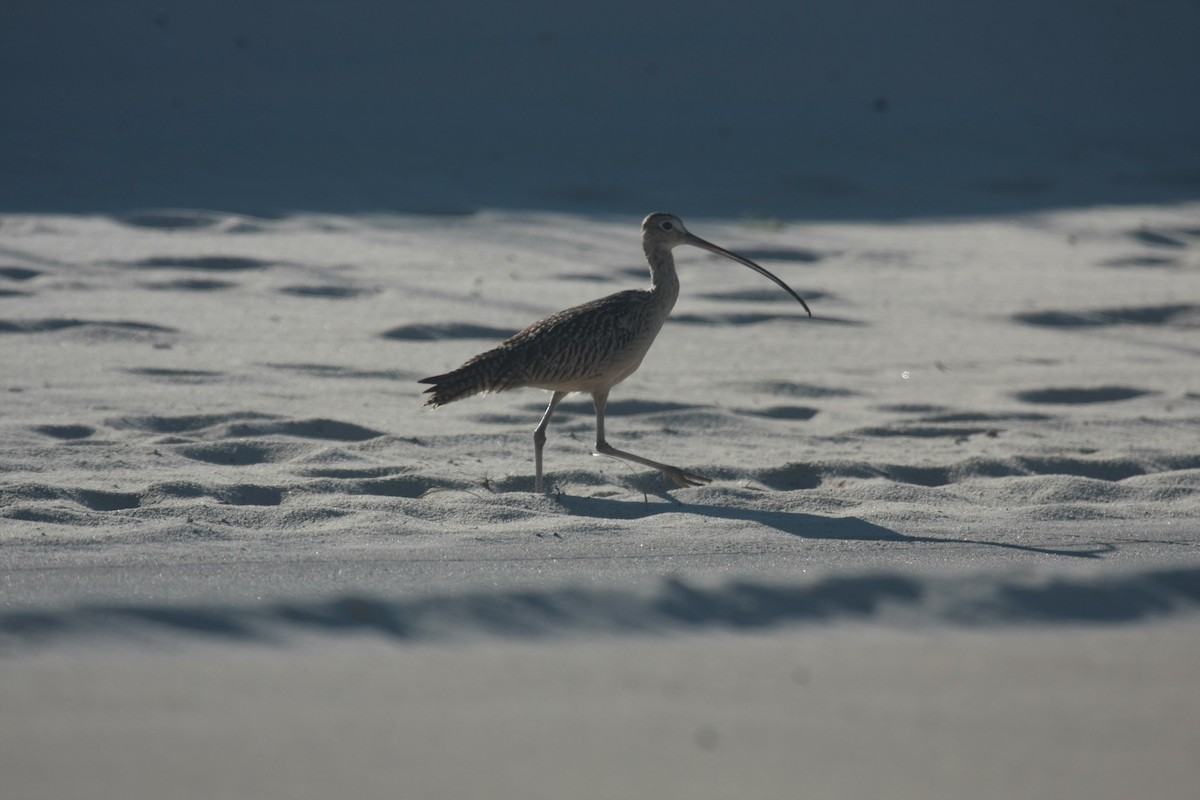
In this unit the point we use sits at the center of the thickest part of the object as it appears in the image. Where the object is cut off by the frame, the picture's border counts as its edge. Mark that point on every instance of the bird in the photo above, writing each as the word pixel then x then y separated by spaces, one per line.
pixel 591 347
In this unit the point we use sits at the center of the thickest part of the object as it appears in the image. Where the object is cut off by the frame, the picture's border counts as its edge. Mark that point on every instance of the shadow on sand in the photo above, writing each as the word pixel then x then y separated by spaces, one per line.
pixel 808 526
pixel 669 606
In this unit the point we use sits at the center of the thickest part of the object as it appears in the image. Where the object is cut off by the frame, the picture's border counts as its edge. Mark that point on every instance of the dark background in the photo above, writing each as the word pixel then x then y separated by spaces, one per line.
pixel 761 107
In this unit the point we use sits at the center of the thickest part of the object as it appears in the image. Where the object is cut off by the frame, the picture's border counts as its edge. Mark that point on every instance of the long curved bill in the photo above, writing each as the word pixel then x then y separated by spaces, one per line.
pixel 692 239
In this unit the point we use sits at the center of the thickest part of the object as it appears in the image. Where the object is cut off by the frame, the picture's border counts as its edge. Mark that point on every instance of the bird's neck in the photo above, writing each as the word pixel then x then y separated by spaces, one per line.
pixel 664 281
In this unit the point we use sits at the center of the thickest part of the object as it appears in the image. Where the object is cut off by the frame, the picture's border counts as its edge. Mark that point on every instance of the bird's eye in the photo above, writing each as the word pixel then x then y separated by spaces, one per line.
pixel 667 226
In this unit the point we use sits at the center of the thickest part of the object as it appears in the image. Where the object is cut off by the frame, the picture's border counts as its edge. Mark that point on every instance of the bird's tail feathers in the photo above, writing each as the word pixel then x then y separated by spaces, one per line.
pixel 477 376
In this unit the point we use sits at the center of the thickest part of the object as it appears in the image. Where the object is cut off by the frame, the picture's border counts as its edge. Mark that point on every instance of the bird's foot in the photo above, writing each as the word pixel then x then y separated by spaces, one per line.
pixel 684 479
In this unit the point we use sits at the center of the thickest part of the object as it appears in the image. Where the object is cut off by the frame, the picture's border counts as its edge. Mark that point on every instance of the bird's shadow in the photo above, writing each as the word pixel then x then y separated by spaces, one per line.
pixel 807 526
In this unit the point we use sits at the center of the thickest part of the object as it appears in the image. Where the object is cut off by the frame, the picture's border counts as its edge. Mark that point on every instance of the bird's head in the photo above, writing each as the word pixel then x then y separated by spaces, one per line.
pixel 662 231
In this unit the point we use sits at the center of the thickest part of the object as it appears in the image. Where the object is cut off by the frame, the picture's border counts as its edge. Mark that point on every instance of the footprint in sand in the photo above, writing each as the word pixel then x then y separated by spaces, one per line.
pixel 326 292
pixel 247 424
pixel 1160 240
pixel 238 494
pixel 787 413
pixel 436 331
pixel 241 453
pixel 1110 470
pixel 336 371
pixel 66 432
pixel 191 285
pixel 90 330
pixel 177 376
pixel 764 296
pixel 373 481
pixel 792 389
pixel 189 423
pixel 202 263
pixel 1180 315
pixel 18 274
pixel 1150 262
pixel 924 431
pixel 795 254
pixel 1157 237
pixel 757 318
pixel 1077 395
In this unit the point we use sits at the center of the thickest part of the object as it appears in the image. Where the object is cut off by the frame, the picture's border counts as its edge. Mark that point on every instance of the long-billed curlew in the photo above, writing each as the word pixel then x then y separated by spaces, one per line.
pixel 590 348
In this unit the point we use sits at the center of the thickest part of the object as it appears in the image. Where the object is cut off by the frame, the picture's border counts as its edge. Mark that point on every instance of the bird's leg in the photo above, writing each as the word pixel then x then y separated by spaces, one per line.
pixel 681 478
pixel 539 439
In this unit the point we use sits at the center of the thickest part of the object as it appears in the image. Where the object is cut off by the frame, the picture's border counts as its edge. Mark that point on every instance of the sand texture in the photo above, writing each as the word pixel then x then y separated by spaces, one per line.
pixel 951 548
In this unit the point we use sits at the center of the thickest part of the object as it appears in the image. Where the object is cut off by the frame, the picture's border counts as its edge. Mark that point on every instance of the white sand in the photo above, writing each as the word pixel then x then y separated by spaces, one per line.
pixel 260 376
pixel 228 520
pixel 952 547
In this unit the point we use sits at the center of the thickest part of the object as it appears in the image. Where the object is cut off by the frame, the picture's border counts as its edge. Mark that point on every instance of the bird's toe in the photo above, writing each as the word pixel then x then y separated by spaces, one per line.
pixel 684 479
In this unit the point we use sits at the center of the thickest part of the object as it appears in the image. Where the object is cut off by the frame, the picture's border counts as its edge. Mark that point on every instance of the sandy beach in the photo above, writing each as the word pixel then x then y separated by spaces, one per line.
pixel 952 543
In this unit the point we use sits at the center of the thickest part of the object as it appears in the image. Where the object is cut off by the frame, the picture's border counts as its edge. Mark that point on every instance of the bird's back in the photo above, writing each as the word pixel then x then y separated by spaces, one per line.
pixel 590 346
